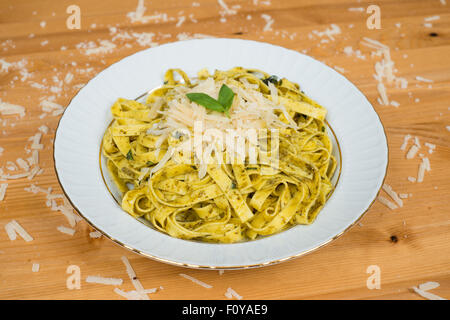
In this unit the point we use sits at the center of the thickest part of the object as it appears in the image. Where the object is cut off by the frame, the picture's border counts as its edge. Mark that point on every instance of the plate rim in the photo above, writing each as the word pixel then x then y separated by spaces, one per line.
pixel 213 267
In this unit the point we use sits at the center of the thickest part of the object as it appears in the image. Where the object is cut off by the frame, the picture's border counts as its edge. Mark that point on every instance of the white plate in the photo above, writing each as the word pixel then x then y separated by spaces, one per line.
pixel 356 125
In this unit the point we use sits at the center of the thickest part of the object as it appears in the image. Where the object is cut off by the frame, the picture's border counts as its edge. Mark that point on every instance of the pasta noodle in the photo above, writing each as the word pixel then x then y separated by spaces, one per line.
pixel 206 196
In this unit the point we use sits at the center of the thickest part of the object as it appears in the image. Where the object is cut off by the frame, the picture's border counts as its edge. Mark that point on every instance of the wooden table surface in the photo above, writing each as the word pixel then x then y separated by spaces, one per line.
pixel 409 244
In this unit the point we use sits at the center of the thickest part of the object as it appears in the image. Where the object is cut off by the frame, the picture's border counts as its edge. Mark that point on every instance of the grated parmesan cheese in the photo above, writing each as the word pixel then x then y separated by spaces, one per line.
pixel 432 18
pixel 382 91
pixel 395 103
pixel 423 166
pixel 35 267
pixel 66 230
pixel 412 152
pixel 225 9
pixel 95 234
pixel 269 22
pixel 3 187
pixel 231 293
pixel 102 280
pixel 387 203
pixel 13 228
pixel 201 283
pixel 426 294
pixel 51 107
pixel 23 164
pixel 360 9
pixel 329 32
pixel 430 146
pixel 136 283
pixel 405 141
pixel 10 109
pixel 419 78
pixel 43 129
pixel 430 285
pixel 393 194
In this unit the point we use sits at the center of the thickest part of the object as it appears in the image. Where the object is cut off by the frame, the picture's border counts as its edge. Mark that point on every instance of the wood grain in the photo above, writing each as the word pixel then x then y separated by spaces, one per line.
pixel 337 271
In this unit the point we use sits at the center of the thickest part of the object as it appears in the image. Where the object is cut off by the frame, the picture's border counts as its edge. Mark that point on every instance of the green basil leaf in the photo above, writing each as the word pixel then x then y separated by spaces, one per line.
pixel 226 96
pixel 274 79
pixel 206 101
pixel 129 155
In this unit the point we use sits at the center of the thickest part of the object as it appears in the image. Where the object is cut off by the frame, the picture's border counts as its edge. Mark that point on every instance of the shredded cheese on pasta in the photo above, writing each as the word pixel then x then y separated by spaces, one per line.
pixel 217 201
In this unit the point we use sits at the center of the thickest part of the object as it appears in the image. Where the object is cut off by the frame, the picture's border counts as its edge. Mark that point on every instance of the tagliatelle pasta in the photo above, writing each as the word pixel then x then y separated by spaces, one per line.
pixel 224 157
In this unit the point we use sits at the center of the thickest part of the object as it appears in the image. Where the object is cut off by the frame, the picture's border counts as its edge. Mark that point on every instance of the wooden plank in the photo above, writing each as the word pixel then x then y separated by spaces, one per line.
pixel 338 271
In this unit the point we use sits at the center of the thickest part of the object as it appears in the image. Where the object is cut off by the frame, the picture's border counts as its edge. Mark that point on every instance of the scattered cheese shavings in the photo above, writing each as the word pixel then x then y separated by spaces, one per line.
pixel 412 152
pixel 428 25
pixel 146 291
pixel 231 293
pixel 329 32
pixel 360 9
pixel 180 21
pixel 393 194
pixel 11 166
pixel 133 295
pixel 405 141
pixel 89 48
pixel 432 18
pixel 102 280
pixel 395 103
pixel 66 209
pixel 426 162
pixel 423 166
pixel 430 285
pixel 387 203
pixel 417 142
pixel 269 21
pixel 419 78
pixel 4 65
pixel 23 164
pixel 10 109
pixel 69 77
pixel 128 295
pixel 13 228
pixel 43 129
pixel 430 146
pixel 3 187
pixel 382 91
pixel 138 15
pixel 341 70
pixel 145 39
pixel 95 234
pixel 66 230
pixel 51 107
pixel 384 69
pixel 403 195
pixel 427 295
pixel 201 283
pixel 411 179
pixel 185 36
pixel 225 9
pixel 136 283
pixel 35 267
